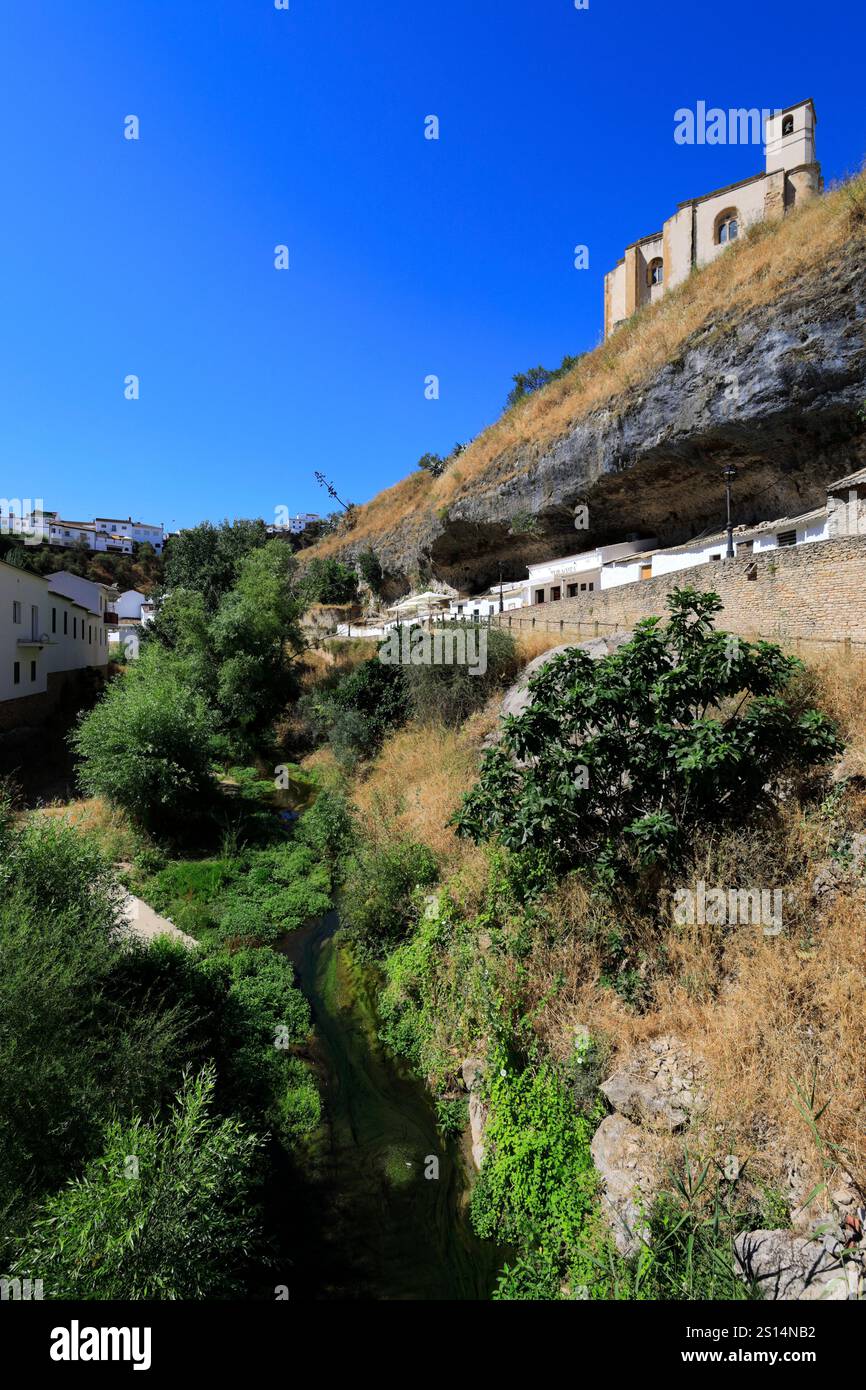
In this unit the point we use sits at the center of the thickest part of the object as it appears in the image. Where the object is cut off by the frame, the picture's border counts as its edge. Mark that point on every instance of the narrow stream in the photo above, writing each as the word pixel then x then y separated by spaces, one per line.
pixel 374 1227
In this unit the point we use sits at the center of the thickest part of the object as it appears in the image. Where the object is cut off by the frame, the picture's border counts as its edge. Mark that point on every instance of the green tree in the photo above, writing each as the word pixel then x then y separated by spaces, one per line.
pixel 371 569
pixel 167 1212
pixel 207 558
pixel 528 383
pixel 146 745
pixel 432 463
pixel 614 762
pixel 255 634
pixel 329 581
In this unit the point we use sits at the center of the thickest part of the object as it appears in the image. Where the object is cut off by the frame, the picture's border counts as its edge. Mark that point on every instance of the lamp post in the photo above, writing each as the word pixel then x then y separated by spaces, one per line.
pixel 730 474
pixel 500 588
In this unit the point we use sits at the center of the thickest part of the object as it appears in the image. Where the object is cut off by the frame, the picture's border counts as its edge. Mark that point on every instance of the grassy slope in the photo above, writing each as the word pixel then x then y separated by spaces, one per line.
pixel 765 1014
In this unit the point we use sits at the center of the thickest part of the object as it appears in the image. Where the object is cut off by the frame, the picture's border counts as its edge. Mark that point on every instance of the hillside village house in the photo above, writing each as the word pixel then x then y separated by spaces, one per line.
pixel 703 227
pixel 573 575
pixel 102 535
pixel 511 592
pixel 50 630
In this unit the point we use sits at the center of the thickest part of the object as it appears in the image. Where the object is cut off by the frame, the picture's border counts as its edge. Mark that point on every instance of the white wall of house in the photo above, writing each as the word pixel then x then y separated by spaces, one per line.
pixel 92 596
pixel 129 605
pixel 42 633
pixel 574 575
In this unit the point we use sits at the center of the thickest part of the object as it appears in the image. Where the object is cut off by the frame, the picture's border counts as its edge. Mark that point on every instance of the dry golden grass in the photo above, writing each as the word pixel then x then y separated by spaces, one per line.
pixel 763 264
pixel 108 825
pixel 415 785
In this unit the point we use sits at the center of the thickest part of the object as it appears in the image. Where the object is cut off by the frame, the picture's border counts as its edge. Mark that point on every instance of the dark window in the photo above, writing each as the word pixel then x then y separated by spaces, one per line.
pixel 16 611
pixel 89 635
pixel 33 670
pixel 54 620
pixel 74 627
pixel 16 672
pixel 728 228
pixel 787 538
pixel 655 272
pixel 716 557
pixel 65 623
pixel 539 596
pixel 571 590
pixel 787 125
pixel 555 594
pixel 583 588
pixel 591 585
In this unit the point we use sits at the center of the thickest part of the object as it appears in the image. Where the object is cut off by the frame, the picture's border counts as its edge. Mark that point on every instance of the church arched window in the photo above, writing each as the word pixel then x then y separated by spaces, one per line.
pixel 787 125
pixel 655 272
pixel 727 227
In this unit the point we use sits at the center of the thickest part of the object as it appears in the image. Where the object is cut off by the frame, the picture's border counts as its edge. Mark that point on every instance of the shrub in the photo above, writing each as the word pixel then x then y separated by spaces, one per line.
pixel 614 762
pixel 371 569
pixel 449 693
pixel 537 1183
pixel 329 581
pixel 360 710
pixel 145 746
pixel 180 1226
pixel 327 828
pixel 381 881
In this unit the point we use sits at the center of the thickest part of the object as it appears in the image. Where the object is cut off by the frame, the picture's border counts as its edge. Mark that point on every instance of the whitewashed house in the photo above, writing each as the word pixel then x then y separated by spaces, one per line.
pixel 129 606
pixel 573 575
pixel 472 608
pixel 46 636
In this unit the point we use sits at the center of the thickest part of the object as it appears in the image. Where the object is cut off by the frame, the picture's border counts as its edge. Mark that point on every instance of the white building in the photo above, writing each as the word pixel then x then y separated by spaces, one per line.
pixel 485 605
pixel 748 540
pixel 294 525
pixel 103 534
pixel 45 636
pixel 140 532
pixel 130 605
pixel 573 575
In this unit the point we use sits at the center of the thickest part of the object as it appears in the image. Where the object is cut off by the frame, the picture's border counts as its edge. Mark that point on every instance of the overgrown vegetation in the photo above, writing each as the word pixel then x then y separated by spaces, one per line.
pixel 137 1085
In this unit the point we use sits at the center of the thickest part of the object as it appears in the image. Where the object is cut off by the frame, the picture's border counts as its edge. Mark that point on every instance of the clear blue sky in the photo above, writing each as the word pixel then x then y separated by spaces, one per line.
pixel 408 256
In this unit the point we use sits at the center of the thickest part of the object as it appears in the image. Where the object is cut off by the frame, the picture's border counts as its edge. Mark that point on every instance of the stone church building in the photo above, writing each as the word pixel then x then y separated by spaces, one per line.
pixel 702 227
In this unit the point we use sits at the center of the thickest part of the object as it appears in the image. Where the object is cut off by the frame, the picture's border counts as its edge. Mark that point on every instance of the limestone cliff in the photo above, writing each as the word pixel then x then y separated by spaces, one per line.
pixel 759 360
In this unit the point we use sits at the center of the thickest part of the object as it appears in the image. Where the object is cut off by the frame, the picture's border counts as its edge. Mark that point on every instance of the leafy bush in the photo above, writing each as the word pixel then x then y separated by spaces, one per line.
pixel 267 1018
pixel 449 693
pixel 537 1183
pixel 329 581
pixel 381 881
pixel 359 710
pixel 327 828
pixel 527 383
pixel 178 1225
pixel 145 746
pixel 371 569
pixel 614 762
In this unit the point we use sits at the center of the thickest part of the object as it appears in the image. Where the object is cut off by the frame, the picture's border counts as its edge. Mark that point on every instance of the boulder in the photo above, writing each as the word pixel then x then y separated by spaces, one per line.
pixel 626 1159
pixel 472 1072
pixel 659 1086
pixel 516 697
pixel 785 1265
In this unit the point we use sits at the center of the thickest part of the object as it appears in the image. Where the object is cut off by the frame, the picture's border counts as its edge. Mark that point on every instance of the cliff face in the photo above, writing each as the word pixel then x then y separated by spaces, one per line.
pixel 776 388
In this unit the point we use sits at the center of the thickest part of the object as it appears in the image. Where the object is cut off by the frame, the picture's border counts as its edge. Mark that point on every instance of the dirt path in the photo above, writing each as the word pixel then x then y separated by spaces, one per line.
pixel 147 925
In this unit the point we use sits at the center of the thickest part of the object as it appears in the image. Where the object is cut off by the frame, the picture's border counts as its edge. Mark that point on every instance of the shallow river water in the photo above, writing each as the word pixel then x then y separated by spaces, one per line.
pixel 373 1225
